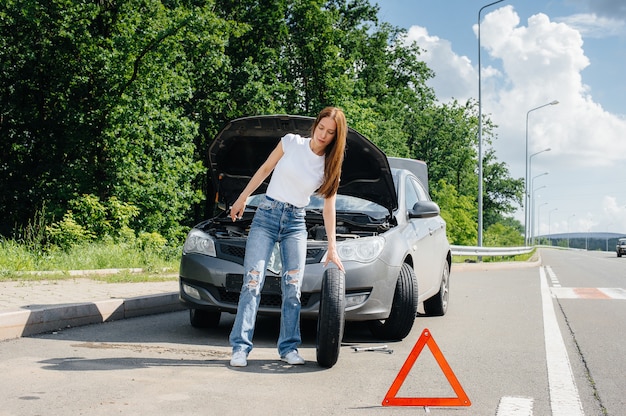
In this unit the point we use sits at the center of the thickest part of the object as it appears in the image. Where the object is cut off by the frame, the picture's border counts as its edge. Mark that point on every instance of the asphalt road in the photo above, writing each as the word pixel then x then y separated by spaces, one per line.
pixel 499 339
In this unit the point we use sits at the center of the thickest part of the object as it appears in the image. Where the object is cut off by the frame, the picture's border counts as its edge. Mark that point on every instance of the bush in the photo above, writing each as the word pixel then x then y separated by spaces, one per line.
pixel 151 241
pixel 500 235
pixel 91 220
pixel 67 233
pixel 111 218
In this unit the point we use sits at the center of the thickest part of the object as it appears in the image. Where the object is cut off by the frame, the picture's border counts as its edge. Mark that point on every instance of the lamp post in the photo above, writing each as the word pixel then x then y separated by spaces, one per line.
pixel 480 135
pixel 550 224
pixel 572 216
pixel 531 214
pixel 529 168
pixel 538 228
pixel 607 235
pixel 533 204
pixel 527 173
pixel 587 233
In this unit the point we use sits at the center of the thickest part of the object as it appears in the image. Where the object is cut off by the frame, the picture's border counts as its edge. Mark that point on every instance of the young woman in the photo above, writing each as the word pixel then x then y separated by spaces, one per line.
pixel 302 167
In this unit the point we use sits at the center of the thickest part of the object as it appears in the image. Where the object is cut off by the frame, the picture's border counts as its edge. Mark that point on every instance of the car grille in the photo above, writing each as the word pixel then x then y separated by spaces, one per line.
pixel 267 300
pixel 232 251
pixel 235 251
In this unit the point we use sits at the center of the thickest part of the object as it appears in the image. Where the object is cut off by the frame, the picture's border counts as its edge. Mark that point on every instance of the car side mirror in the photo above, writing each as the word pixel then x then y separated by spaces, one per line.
pixel 424 209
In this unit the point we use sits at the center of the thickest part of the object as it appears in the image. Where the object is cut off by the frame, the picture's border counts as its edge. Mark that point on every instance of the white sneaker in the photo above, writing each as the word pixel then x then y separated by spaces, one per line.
pixel 293 358
pixel 239 359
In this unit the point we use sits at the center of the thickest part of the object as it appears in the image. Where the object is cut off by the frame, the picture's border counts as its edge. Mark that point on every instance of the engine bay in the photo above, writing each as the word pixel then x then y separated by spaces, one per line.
pixel 349 226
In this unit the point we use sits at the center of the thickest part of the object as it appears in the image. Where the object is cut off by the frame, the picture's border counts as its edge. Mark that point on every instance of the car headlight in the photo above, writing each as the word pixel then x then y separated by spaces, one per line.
pixel 362 250
pixel 199 242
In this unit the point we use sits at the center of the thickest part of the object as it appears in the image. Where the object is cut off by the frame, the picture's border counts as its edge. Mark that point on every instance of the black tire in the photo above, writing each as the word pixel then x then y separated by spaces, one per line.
pixel 330 319
pixel 438 304
pixel 403 309
pixel 202 318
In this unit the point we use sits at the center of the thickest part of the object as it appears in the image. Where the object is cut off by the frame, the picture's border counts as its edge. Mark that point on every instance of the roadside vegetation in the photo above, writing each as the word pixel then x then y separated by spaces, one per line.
pixel 90 237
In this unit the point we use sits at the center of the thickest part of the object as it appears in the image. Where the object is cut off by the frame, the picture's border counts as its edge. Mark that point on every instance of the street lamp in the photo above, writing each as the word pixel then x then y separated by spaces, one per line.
pixel 550 223
pixel 538 228
pixel 607 235
pixel 529 215
pixel 531 211
pixel 527 173
pixel 480 135
pixel 531 218
pixel 587 233
pixel 572 216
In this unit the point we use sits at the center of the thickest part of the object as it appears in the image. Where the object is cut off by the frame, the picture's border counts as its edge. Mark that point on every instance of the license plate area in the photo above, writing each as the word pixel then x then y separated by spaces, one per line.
pixel 271 286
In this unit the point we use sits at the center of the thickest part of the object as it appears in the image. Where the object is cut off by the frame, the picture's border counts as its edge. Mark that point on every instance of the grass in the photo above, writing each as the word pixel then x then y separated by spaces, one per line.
pixel 95 260
pixel 19 262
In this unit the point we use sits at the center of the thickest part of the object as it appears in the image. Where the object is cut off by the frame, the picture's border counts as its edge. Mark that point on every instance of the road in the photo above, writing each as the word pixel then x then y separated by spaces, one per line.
pixel 521 341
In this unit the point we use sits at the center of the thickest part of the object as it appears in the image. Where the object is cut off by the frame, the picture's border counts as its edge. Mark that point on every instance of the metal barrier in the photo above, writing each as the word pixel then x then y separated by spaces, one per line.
pixel 489 251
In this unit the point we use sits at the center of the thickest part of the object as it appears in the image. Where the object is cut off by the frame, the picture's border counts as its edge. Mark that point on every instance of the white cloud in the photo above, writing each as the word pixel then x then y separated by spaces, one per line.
pixel 533 64
pixel 614 8
pixel 455 75
pixel 594 26
pixel 541 62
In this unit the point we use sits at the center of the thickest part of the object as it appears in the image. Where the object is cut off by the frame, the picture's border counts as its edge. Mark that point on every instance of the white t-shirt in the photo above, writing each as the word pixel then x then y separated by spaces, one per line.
pixel 298 174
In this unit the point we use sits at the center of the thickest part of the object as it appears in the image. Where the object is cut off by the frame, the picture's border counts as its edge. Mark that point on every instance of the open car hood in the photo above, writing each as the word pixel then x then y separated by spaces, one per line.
pixel 243 145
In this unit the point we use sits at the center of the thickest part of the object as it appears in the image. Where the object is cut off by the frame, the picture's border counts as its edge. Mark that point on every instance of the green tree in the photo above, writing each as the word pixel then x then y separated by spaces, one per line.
pixel 120 100
pixel 502 192
pixel 459 212
pixel 93 102
pixel 500 235
pixel 444 136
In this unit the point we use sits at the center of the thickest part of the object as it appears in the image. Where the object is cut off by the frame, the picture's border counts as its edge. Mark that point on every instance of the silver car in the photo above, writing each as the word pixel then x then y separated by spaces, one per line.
pixel 390 236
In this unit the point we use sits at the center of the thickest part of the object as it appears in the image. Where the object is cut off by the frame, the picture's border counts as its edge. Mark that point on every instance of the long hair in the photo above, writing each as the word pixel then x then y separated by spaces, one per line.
pixel 334 151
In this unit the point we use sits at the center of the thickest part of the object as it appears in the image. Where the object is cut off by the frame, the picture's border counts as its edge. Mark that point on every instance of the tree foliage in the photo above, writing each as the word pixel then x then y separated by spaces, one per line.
pixel 91 104
pixel 459 212
pixel 119 100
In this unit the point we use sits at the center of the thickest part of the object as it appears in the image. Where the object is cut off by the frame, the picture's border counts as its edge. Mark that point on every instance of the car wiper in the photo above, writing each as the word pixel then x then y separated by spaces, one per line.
pixel 366 221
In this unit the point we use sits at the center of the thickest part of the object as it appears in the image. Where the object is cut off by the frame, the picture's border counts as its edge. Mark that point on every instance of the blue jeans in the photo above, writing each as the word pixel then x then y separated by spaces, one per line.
pixel 274 222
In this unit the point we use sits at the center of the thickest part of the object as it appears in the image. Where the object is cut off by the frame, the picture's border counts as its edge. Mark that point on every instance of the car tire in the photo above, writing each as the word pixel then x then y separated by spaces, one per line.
pixel 202 318
pixel 331 317
pixel 438 304
pixel 403 308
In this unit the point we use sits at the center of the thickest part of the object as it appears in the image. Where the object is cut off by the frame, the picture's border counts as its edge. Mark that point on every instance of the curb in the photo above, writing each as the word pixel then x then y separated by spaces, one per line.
pixel 26 322
pixel 20 323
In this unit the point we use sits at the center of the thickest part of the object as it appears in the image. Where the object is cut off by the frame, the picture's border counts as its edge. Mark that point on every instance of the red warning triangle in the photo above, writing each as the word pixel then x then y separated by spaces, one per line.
pixel 426 339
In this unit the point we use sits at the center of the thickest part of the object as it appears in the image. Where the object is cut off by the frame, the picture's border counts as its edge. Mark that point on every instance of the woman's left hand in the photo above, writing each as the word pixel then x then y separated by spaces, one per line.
pixel 332 256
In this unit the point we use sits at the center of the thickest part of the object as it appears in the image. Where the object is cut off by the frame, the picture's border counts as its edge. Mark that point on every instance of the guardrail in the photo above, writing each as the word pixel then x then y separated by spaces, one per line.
pixel 489 251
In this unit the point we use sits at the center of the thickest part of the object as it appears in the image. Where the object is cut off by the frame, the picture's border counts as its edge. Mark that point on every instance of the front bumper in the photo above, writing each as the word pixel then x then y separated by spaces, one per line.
pixel 212 283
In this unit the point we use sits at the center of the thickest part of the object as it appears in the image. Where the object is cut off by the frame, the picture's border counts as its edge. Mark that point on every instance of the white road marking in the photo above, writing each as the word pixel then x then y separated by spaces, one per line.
pixel 553 278
pixel 589 293
pixel 515 406
pixel 564 398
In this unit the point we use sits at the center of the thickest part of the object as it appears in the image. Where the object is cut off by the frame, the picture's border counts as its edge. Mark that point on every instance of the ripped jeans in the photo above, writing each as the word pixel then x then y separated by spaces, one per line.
pixel 273 222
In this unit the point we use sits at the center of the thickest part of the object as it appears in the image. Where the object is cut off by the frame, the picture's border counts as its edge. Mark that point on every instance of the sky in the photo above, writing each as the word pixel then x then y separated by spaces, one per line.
pixel 532 53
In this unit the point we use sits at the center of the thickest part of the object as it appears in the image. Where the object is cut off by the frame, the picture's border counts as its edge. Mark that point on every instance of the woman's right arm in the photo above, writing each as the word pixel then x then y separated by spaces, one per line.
pixel 238 207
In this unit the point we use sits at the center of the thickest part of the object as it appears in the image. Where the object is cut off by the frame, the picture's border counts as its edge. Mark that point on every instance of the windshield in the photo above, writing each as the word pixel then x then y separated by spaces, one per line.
pixel 343 204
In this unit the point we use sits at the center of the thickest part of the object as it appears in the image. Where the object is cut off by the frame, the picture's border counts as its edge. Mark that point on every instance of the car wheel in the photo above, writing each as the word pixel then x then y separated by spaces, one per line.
pixel 438 304
pixel 202 318
pixel 330 319
pixel 403 309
